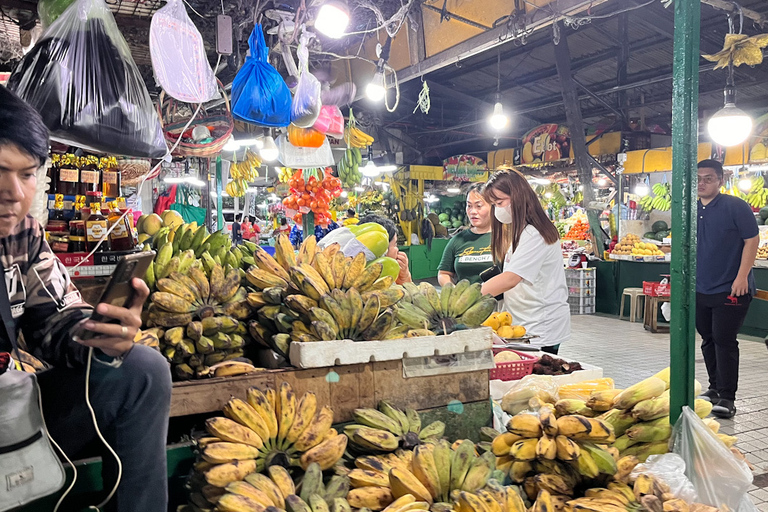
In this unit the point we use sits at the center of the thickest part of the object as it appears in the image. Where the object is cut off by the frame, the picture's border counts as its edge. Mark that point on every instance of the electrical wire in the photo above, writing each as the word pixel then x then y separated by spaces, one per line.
pixel 397 19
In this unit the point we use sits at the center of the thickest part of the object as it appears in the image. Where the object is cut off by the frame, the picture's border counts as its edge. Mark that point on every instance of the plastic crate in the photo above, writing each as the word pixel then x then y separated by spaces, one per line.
pixel 513 370
pixel 574 291
pixel 577 309
pixel 656 289
pixel 581 301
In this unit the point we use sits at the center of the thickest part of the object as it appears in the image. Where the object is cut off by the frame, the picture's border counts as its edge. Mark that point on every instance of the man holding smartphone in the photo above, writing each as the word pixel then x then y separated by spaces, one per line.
pixel 130 385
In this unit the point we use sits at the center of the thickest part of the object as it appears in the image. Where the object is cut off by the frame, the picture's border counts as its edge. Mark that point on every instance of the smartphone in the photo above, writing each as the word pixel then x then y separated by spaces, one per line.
pixel 118 290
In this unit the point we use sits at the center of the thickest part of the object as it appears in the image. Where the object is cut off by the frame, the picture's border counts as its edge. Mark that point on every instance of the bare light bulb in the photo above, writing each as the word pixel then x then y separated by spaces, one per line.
pixel 332 19
pixel 730 126
pixel 269 151
pixel 498 119
pixel 375 90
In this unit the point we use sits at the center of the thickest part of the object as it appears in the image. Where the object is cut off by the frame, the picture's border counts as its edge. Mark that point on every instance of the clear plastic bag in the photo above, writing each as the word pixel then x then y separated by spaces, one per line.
pixel 306 100
pixel 670 468
pixel 178 55
pixel 719 478
pixel 303 158
pixel 330 121
pixel 82 79
pixel 518 398
pixel 259 94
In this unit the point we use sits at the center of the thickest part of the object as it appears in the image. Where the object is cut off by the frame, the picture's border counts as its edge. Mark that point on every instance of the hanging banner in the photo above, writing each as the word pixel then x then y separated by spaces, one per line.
pixel 546 143
pixel 464 168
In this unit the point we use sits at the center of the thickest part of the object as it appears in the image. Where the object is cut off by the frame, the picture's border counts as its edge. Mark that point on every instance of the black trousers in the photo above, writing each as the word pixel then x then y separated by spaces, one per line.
pixel 132 405
pixel 718 320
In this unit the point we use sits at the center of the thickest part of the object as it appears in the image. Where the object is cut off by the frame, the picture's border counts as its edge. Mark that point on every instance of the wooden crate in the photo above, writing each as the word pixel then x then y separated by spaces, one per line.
pixel 344 388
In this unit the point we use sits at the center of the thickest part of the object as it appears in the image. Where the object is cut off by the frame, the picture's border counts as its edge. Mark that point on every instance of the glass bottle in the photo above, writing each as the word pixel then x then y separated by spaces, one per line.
pixel 69 175
pixel 110 178
pixel 77 236
pixel 130 221
pixel 53 174
pixel 95 228
pixel 90 176
pixel 79 205
pixel 120 238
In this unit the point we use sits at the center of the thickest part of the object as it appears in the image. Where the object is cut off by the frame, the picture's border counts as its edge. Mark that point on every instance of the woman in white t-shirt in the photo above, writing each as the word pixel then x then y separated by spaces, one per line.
pixel 526 247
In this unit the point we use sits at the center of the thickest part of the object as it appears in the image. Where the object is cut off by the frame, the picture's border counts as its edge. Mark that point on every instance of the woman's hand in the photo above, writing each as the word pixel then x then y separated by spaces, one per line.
pixel 444 277
pixel 117 339
pixel 405 274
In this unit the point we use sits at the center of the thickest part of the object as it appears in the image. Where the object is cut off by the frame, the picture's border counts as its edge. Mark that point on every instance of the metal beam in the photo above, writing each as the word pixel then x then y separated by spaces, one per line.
pixel 685 142
pixel 537 19
pixel 448 15
pixel 728 6
pixel 584 163
pixel 622 61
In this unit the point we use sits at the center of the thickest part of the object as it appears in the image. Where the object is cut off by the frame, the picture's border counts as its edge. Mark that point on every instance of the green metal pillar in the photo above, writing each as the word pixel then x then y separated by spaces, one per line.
pixel 219 200
pixel 685 139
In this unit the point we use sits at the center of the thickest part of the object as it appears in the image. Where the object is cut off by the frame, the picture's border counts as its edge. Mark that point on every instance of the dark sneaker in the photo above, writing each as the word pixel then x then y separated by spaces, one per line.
pixel 710 395
pixel 724 409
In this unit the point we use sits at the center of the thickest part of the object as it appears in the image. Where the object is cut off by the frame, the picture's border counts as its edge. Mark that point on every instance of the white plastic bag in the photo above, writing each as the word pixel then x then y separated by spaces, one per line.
pixel 670 468
pixel 303 158
pixel 719 478
pixel 518 398
pixel 178 55
pixel 306 104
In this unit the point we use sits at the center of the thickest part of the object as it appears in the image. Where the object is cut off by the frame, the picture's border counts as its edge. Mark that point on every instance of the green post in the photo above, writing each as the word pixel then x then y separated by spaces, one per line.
pixel 219 191
pixel 685 140
pixel 308 224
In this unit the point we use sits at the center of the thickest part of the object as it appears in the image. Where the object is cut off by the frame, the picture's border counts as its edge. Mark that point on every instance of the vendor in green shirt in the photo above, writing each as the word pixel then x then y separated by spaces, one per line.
pixel 468 253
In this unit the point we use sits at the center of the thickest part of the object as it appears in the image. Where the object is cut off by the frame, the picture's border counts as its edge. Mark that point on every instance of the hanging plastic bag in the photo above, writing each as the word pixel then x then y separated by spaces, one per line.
pixel 259 94
pixel 670 468
pixel 82 79
pixel 719 478
pixel 306 100
pixel 330 121
pixel 178 55
pixel 302 158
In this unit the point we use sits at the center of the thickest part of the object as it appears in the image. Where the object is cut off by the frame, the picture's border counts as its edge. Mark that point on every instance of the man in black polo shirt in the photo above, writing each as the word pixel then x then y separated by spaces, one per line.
pixel 727 240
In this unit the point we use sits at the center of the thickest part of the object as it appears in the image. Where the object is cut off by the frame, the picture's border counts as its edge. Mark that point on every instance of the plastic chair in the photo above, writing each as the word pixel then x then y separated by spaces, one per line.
pixel 634 304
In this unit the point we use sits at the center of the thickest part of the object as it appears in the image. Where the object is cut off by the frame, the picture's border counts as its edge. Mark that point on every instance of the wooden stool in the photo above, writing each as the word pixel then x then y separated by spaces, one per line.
pixel 634 295
pixel 651 316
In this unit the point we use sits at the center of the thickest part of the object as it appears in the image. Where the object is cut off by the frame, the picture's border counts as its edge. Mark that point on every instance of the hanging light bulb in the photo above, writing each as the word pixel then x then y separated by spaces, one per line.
pixel 730 126
pixel 376 90
pixel 370 170
pixel 602 182
pixel 269 151
pixel 641 189
pixel 231 145
pixel 498 119
pixel 745 184
pixel 332 19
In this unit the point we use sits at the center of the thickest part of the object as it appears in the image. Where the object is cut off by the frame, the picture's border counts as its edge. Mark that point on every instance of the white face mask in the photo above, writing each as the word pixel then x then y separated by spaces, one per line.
pixel 503 214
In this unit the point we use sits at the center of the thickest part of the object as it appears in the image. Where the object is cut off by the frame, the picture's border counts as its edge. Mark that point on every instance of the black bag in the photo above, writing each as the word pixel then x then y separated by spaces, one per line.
pixel 488 273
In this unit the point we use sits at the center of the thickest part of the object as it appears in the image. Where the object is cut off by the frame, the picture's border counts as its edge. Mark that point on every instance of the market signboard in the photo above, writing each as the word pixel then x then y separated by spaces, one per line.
pixel 546 143
pixel 464 168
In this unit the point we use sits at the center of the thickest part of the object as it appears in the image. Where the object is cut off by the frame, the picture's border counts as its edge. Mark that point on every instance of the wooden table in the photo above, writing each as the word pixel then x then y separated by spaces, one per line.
pixel 651 316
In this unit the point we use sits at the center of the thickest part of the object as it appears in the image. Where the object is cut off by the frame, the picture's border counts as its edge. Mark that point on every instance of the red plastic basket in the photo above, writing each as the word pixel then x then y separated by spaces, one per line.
pixel 513 370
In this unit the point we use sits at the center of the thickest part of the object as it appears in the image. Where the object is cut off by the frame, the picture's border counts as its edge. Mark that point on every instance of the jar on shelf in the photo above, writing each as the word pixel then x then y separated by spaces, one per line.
pixel 95 228
pixel 69 175
pixel 90 175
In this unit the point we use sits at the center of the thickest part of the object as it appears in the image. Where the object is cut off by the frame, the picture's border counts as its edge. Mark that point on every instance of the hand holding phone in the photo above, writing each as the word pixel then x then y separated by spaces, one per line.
pixel 117 318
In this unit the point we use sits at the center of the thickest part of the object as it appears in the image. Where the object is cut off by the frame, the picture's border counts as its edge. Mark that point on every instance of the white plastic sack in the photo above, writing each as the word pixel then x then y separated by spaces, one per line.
pixel 178 55
pixel 306 104
pixel 339 236
pixel 303 158
pixel 670 468
pixel 719 478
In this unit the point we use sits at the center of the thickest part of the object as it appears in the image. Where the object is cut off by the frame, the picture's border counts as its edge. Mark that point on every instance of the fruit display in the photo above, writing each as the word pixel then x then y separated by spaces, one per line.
pixel 243 172
pixel 661 199
pixel 454 307
pixel 348 168
pixel 548 365
pixel 432 473
pixel 318 295
pixel 355 137
pixel 389 428
pixel 757 196
pixel 645 249
pixel 501 323
pixel 284 174
pixel 311 191
pixel 762 252
pixel 625 245
pixel 578 231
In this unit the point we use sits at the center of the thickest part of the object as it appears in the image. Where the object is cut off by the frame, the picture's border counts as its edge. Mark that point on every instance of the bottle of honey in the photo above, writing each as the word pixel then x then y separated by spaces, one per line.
pixel 110 178
pixel 90 176
pixel 53 174
pixel 69 175
pixel 120 238
pixel 95 228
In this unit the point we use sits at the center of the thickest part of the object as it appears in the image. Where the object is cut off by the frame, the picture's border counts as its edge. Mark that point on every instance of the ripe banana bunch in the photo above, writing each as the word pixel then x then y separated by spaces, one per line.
pixel 349 168
pixel 431 473
pixel 492 498
pixel 357 138
pixel 237 187
pixel 268 430
pixel 389 428
pixel 284 174
pixel 455 307
pixel 757 197
pixel 248 169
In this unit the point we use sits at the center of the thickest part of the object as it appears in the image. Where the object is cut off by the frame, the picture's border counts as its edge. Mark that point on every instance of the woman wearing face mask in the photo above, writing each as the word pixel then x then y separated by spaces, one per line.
pixel 526 246
pixel 468 253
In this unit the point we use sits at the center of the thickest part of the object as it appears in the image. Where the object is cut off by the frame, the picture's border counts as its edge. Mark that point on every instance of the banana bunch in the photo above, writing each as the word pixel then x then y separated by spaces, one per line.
pixel 284 174
pixel 248 169
pixel 661 201
pixel 455 307
pixel 433 473
pixel 389 428
pixel 647 493
pixel 757 197
pixel 267 430
pixel 357 138
pixel 349 168
pixel 237 187
pixel 276 490
pixel 494 497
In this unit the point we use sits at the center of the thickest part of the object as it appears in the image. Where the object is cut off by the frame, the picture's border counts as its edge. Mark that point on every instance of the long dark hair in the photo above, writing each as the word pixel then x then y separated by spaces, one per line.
pixel 526 209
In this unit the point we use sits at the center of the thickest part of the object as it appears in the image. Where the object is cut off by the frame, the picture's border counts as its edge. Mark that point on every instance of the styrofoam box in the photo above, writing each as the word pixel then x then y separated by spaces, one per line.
pixel 590 372
pixel 322 354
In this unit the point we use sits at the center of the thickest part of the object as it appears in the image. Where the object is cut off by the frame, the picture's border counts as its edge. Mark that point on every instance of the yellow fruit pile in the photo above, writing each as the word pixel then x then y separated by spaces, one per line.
pixel 762 252
pixel 646 249
pixel 625 245
pixel 501 323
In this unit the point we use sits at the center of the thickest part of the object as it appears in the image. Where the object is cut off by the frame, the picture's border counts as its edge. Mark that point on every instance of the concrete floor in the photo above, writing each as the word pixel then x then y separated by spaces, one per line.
pixel 628 353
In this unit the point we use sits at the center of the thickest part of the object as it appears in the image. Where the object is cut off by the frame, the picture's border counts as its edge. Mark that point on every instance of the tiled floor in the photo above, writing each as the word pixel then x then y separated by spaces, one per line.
pixel 628 353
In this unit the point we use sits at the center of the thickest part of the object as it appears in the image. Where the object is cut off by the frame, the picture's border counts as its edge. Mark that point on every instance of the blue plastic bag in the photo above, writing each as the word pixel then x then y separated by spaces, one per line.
pixel 259 94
